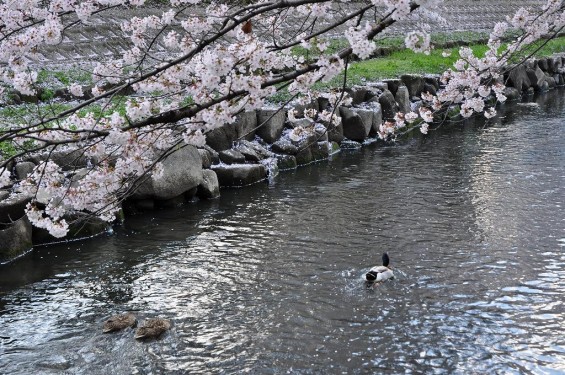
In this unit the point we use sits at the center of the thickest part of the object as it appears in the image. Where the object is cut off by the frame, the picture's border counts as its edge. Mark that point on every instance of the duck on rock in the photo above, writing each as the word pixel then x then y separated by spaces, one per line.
pixel 380 273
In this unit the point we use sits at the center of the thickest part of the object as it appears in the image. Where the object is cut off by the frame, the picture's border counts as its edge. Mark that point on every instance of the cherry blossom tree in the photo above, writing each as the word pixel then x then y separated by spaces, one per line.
pixel 223 57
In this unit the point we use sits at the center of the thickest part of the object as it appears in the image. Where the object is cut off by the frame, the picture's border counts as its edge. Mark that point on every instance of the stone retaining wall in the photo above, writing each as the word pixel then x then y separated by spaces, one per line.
pixel 258 145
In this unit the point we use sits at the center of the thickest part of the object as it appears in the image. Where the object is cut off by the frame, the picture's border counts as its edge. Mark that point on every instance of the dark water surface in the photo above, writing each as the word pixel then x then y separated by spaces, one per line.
pixel 267 279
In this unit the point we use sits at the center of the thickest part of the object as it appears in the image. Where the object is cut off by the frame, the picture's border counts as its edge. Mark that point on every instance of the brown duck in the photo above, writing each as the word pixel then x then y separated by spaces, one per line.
pixel 119 322
pixel 152 328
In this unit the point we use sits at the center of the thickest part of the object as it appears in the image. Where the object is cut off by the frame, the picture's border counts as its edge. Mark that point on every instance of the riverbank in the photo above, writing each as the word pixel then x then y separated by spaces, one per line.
pixel 260 144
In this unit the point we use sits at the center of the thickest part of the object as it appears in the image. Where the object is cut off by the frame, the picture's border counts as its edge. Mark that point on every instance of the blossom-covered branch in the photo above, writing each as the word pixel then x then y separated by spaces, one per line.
pixel 220 59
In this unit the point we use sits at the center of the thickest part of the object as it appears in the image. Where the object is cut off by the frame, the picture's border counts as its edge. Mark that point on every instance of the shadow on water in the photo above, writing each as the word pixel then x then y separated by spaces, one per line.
pixel 268 279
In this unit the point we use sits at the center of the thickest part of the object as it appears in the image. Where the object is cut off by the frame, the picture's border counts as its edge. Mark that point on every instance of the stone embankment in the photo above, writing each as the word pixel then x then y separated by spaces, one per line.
pixel 258 145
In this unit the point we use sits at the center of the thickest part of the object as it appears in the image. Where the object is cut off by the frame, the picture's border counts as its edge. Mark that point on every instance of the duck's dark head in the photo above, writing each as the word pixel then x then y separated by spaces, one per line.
pixel 385 260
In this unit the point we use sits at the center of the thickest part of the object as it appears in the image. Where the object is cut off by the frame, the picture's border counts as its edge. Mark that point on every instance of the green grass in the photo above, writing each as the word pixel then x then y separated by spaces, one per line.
pixel 542 48
pixel 404 62
pixel 59 78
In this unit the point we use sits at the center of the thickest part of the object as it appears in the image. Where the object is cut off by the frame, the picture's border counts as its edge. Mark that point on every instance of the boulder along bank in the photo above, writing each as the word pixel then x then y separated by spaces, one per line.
pixel 256 147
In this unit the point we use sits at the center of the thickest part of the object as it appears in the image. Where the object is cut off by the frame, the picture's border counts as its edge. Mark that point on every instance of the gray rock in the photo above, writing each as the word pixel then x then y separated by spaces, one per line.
pixel 56 362
pixel 67 160
pixel 556 64
pixel 537 78
pixel 543 64
pixel 512 93
pixel 544 86
pixel 304 156
pixel 403 99
pixel 323 103
pixel 353 126
pixel 213 154
pixel 188 195
pixel 358 94
pixel 373 95
pixel 301 122
pixel 551 82
pixel 182 171
pixel 530 64
pixel 245 125
pixel 431 89
pixel 23 169
pixel 388 105
pixel 335 132
pixel 239 174
pixel 84 225
pixel 206 158
pixel 414 83
pixel 518 78
pixel 30 98
pixel 284 146
pixel 286 162
pixel 261 151
pixel 16 239
pixel 321 132
pixel 272 121
pixel 366 115
pixel 356 123
pixel 350 145
pixel 231 156
pixel 4 194
pixel 248 153
pixel 12 208
pixel 432 80
pixel 221 138
pixel 393 85
pixel 145 205
pixel 558 79
pixel 377 119
pixel 210 187
pixel 321 151
pixel 379 86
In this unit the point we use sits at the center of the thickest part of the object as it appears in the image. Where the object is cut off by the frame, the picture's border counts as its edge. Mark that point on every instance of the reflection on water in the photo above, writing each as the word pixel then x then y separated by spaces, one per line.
pixel 268 279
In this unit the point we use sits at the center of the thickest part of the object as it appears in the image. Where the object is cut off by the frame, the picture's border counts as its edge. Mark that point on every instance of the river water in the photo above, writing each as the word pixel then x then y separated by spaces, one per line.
pixel 268 279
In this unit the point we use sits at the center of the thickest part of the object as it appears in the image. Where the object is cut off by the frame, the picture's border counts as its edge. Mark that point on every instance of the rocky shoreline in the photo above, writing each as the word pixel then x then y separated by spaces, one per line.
pixel 257 147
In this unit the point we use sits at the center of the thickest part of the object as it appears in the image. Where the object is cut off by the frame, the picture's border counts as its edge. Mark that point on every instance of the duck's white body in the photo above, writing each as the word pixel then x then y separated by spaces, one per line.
pixel 380 273
pixel 383 273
